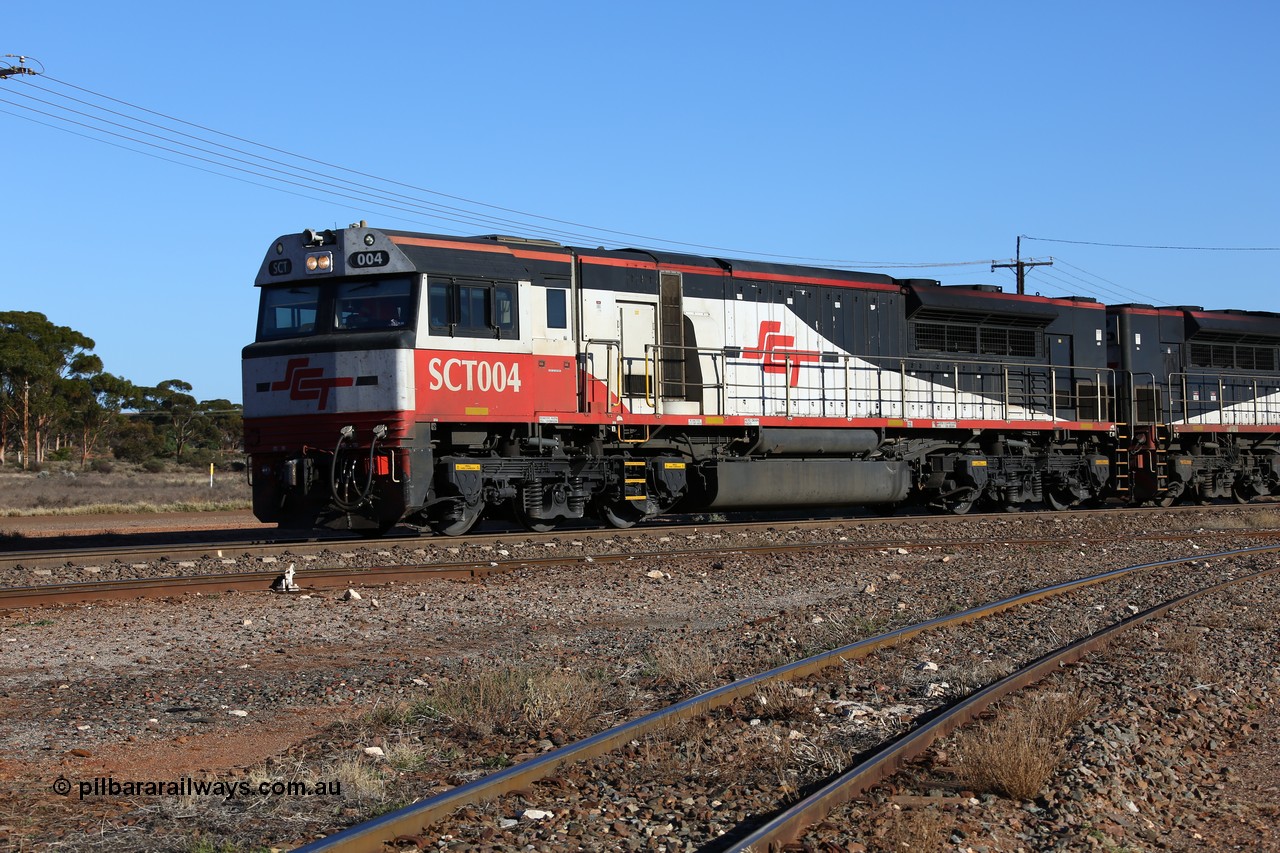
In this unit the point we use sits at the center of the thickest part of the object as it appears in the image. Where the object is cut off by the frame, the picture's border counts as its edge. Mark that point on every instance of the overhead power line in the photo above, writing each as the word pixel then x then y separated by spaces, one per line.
pixel 116 122
pixel 1145 246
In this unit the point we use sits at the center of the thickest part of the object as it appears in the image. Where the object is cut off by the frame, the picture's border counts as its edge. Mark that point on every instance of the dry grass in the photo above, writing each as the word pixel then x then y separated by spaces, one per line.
pixel 784 701
pixel 970 677
pixel 765 757
pixel 1250 519
pixel 678 750
pixel 1184 644
pixel 359 778
pixel 916 830
pixel 1015 754
pixel 507 699
pixel 67 491
pixel 686 667
pixel 782 760
pixel 836 630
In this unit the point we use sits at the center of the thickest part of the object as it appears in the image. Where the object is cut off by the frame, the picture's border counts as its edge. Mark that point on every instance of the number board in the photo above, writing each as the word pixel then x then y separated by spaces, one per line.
pixel 363 260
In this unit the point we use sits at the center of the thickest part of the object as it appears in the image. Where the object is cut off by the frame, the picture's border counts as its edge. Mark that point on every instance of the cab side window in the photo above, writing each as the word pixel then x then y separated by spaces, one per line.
pixel 439 306
pixel 557 309
pixel 470 308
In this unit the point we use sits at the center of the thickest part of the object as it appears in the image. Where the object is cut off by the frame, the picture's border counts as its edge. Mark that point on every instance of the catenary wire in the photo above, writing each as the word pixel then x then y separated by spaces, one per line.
pixel 474 217
pixel 1145 246
pixel 1117 285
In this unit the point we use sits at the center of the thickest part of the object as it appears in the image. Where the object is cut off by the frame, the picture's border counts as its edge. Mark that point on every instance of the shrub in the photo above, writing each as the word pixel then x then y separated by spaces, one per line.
pixel 1017 753
pixel 509 700
pixel 154 466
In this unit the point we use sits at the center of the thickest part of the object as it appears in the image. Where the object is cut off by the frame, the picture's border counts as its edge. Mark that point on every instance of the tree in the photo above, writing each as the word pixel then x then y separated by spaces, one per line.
pixel 226 424
pixel 96 404
pixel 37 360
pixel 177 412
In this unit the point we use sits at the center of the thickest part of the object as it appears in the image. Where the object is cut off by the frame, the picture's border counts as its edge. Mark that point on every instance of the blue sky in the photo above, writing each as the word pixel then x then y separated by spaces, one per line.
pixel 865 133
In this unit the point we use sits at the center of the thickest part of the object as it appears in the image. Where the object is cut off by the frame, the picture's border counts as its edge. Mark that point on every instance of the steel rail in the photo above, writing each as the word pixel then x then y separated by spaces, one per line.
pixel 79 592
pixel 261 545
pixel 408 821
pixel 788 825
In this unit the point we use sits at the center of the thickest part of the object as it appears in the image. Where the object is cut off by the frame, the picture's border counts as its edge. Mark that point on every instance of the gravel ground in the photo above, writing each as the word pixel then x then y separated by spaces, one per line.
pixel 481 549
pixel 1180 753
pixel 259 687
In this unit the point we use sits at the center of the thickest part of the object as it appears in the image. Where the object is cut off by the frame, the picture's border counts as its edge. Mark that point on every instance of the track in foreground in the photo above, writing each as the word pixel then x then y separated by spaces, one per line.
pixel 404 826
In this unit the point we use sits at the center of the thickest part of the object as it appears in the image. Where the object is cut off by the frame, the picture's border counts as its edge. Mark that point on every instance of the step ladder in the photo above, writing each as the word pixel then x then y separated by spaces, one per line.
pixel 633 481
pixel 1124 444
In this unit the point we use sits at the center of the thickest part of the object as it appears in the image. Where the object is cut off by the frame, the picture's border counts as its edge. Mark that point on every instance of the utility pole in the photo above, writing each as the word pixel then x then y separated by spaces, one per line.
pixel 20 68
pixel 1021 266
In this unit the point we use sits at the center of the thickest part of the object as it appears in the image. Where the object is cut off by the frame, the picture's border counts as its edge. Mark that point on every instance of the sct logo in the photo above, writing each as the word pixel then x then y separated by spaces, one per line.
pixel 464 374
pixel 309 383
pixel 777 353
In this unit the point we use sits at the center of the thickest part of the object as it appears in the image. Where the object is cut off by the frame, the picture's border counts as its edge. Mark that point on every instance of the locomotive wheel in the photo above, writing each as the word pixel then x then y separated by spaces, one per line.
pixel 457 526
pixel 959 506
pixel 533 525
pixel 1242 494
pixel 622 516
pixel 1058 504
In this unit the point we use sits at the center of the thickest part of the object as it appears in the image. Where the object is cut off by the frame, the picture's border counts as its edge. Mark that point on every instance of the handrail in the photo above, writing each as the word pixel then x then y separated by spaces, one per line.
pixel 782 382
pixel 651 403
pixel 1253 411
pixel 609 344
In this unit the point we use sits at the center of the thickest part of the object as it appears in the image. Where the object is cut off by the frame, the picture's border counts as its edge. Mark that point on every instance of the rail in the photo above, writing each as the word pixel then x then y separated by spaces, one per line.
pixel 408 821
pixel 787 826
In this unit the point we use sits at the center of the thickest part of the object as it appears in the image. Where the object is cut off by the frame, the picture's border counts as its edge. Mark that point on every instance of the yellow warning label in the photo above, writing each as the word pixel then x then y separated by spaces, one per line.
pixel 466 466
pixel 674 466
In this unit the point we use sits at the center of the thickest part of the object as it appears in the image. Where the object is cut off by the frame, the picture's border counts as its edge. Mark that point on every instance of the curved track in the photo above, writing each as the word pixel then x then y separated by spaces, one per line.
pixel 406 823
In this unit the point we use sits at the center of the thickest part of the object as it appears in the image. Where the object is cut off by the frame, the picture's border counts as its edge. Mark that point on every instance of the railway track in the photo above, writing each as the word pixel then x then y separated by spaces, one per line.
pixel 414 825
pixel 135 548
pixel 79 592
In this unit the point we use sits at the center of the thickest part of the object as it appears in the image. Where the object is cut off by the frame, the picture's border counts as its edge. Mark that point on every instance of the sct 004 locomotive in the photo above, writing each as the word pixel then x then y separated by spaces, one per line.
pixel 432 380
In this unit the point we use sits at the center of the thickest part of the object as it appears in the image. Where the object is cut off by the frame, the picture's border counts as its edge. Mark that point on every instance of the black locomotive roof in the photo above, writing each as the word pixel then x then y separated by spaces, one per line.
pixel 744 269
pixel 1230 322
pixel 990 300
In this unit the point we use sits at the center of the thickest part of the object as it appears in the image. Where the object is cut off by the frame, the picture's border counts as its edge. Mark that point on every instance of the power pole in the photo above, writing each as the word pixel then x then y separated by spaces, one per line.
pixel 1021 266
pixel 14 70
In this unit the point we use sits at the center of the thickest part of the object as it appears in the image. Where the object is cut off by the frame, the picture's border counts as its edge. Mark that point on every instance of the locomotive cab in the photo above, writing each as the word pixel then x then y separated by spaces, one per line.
pixel 328 396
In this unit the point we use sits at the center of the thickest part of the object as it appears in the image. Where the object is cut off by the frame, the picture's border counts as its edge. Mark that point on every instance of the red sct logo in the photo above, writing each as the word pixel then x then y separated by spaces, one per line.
pixel 777 352
pixel 309 383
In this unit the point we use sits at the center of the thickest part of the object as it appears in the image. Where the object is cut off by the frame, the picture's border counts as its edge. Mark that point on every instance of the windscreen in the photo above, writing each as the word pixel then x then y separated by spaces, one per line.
pixel 288 312
pixel 373 304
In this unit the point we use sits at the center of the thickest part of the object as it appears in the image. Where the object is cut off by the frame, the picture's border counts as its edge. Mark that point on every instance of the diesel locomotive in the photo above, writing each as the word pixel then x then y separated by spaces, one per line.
pixel 430 380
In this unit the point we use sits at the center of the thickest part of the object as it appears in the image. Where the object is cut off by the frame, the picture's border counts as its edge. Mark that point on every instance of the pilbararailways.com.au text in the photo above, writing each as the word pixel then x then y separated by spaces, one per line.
pixel 228 789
